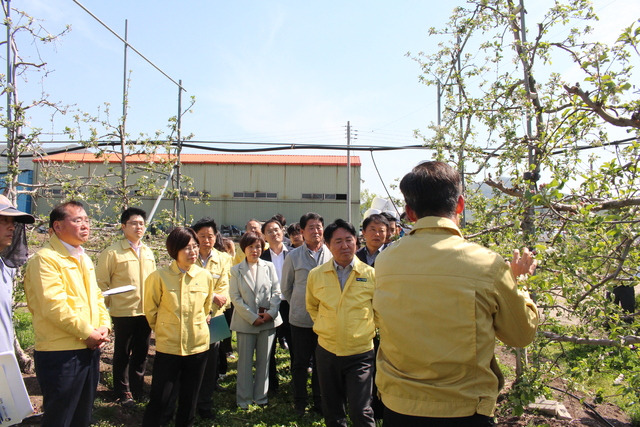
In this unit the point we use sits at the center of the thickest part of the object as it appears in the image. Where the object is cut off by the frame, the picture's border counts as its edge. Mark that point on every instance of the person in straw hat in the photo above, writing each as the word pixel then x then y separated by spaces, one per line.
pixel 13 253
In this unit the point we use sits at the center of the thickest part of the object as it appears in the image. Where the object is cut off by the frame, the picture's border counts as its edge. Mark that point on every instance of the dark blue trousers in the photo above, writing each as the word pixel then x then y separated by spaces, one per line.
pixel 68 380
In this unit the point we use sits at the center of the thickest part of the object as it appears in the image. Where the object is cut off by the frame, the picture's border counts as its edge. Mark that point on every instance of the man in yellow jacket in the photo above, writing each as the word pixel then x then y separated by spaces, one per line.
pixel 70 319
pixel 339 300
pixel 440 302
pixel 219 265
pixel 128 262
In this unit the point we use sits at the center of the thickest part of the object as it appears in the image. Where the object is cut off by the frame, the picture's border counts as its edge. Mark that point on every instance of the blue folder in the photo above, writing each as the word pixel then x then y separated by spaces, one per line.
pixel 218 329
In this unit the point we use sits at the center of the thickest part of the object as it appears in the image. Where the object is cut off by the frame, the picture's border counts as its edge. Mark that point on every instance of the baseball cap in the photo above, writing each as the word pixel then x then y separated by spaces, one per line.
pixel 7 209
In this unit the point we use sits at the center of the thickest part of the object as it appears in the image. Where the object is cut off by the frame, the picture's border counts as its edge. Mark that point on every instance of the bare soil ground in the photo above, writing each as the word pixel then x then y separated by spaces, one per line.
pixel 584 410
pixel 595 414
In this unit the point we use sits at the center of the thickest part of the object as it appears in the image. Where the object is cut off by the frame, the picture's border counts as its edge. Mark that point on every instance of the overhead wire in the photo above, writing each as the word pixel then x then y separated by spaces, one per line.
pixel 281 146
pixel 384 185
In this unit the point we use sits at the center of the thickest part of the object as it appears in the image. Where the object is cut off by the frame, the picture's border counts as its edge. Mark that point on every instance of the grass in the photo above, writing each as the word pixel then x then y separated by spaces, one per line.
pixel 593 380
pixel 24 327
pixel 279 412
pixel 594 370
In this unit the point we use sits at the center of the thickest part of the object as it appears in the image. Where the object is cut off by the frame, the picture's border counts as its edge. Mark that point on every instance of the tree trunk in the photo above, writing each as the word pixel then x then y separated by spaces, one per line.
pixel 24 360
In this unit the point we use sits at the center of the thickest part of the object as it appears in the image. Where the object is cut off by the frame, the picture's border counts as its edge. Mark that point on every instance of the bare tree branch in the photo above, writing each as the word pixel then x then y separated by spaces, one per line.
pixel 623 341
pixel 597 108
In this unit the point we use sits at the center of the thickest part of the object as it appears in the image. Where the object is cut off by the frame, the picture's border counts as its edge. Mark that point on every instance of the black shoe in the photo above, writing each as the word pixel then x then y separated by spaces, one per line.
pixel 126 400
pixel 274 388
pixel 284 344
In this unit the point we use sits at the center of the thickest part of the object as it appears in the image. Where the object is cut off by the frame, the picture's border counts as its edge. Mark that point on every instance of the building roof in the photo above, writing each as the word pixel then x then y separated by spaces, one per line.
pixel 218 159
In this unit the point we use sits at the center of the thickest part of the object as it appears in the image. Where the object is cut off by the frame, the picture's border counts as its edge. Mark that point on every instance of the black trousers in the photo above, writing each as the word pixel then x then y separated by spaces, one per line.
pixel 346 380
pixel 225 344
pixel 394 419
pixel 626 297
pixel 68 380
pixel 209 380
pixel 282 332
pixel 303 345
pixel 171 371
pixel 132 336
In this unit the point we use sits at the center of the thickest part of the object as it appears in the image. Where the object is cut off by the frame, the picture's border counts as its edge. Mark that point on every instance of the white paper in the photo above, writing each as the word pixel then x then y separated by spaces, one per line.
pixel 14 400
pixel 118 290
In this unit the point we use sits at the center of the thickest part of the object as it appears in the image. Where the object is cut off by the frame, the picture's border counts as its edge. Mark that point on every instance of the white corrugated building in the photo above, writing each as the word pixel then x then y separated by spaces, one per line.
pixel 238 187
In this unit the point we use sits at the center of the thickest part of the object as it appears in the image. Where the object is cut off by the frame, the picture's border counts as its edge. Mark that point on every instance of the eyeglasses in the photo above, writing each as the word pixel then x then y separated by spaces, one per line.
pixel 136 223
pixel 80 220
pixel 191 248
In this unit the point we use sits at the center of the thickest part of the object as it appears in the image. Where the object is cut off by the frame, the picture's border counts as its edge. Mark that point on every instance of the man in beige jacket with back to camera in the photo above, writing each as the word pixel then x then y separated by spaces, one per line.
pixel 440 302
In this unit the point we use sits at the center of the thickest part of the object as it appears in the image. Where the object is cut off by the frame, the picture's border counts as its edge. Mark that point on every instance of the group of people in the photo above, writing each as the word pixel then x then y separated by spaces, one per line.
pixel 436 301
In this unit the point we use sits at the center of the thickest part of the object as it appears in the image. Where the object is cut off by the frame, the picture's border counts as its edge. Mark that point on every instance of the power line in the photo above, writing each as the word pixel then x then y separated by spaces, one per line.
pixel 258 147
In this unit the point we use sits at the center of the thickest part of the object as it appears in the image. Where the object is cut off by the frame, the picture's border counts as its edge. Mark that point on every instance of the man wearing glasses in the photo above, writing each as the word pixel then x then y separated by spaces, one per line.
pixel 128 262
pixel 70 320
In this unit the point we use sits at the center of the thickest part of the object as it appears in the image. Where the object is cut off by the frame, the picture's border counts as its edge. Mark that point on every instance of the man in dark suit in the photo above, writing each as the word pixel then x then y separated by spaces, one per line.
pixel 277 252
pixel 374 230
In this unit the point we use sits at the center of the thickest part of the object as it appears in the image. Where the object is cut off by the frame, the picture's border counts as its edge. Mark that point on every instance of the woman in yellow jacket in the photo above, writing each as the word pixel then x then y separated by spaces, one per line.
pixel 177 303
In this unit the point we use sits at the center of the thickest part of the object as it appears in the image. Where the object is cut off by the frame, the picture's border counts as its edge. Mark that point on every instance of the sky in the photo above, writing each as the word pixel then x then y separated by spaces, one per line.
pixel 285 71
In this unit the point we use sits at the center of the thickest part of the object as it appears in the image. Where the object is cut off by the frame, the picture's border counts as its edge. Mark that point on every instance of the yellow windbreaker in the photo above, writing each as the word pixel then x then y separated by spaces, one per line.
pixel 64 298
pixel 177 305
pixel 440 303
pixel 118 265
pixel 219 265
pixel 343 319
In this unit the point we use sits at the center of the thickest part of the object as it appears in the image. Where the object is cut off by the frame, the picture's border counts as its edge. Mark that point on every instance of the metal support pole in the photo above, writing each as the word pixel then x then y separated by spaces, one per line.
pixel 349 172
pixel 521 353
pixel 159 198
pixel 439 105
pixel 124 76
pixel 463 217
pixel 9 73
pixel 176 200
pixel 12 130
pixel 123 127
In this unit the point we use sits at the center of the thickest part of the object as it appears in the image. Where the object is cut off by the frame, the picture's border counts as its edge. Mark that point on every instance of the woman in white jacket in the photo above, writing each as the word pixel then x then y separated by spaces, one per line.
pixel 255 293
